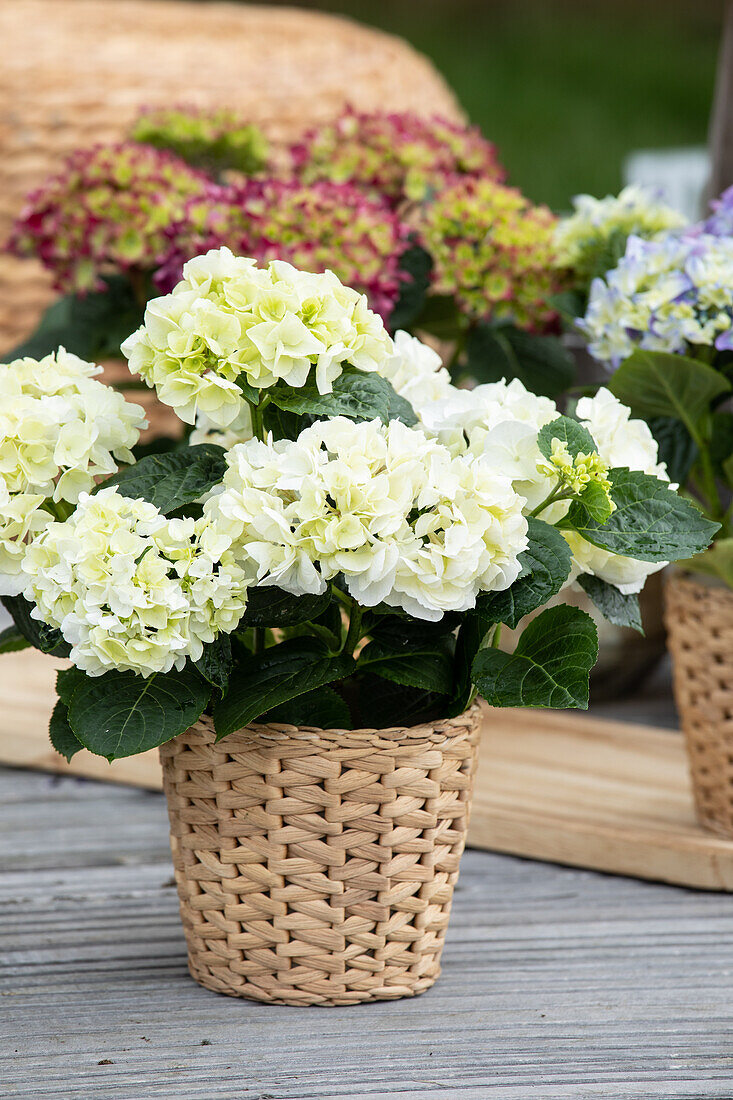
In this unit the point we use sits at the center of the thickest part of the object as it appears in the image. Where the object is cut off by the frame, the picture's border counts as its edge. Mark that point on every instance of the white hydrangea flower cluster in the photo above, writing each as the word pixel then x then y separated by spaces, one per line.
pixel 229 321
pixel 404 521
pixel 672 294
pixel 497 423
pixel 130 589
pixel 583 238
pixel 59 429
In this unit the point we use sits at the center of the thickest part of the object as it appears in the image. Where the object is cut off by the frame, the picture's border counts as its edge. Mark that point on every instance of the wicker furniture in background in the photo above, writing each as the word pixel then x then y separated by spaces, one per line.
pixel 317 867
pixel 700 637
pixel 78 71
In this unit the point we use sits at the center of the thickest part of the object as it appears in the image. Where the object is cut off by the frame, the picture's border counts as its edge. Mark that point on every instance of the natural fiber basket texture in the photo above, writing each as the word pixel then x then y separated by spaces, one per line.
pixel 700 638
pixel 75 72
pixel 317 867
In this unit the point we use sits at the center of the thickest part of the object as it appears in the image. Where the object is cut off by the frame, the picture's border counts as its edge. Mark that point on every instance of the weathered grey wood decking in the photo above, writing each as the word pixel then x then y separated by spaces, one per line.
pixel 557 984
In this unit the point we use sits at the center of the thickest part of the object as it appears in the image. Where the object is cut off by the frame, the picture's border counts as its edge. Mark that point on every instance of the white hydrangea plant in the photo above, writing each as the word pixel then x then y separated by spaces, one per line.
pixel 340 541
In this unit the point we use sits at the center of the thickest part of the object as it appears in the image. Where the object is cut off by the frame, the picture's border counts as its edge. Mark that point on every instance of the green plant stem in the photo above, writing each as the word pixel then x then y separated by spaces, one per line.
pixel 709 487
pixel 557 493
pixel 497 637
pixel 259 639
pixel 256 415
pixel 353 634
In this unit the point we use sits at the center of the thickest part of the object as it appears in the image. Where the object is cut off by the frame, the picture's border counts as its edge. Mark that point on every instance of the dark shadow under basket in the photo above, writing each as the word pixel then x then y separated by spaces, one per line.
pixel 317 867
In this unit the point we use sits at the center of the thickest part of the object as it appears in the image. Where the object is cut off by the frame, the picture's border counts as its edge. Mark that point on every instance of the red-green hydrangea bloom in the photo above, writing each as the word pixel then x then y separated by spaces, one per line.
pixel 214 140
pixel 107 210
pixel 325 226
pixel 493 252
pixel 397 156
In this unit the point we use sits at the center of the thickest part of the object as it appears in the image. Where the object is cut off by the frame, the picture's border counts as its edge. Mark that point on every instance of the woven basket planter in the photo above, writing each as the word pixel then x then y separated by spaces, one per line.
pixel 317 867
pixel 700 637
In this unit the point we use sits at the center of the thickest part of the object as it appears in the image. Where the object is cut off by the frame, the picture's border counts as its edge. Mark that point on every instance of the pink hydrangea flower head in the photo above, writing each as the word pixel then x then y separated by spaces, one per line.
pixel 108 210
pixel 493 251
pixel 398 156
pixel 318 227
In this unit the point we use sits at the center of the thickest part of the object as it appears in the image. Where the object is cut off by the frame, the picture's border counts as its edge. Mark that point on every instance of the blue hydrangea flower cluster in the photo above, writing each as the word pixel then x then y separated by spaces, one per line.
pixel 671 294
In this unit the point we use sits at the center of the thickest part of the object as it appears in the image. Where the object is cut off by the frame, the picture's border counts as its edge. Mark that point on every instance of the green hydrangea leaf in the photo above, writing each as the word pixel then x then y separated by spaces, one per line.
pixel 359 395
pixel 619 609
pixel 215 663
pixel 569 431
pixel 658 383
pixel 91 325
pixel 44 637
pixel 429 667
pixel 677 448
pixel 385 703
pixel 172 479
pixel 541 363
pixel 323 708
pixel 270 606
pixel 549 667
pixel 596 501
pixel 67 681
pixel 122 714
pixel 546 567
pixel 263 681
pixel 651 521
pixel 11 640
pixel 63 738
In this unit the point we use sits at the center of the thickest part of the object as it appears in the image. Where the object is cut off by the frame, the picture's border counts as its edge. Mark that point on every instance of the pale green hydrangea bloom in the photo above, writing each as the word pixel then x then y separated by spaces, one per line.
pixel 130 589
pixel 60 429
pixel 230 323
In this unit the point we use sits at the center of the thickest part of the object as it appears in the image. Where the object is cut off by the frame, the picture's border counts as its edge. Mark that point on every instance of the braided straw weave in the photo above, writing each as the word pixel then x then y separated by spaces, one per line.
pixel 700 638
pixel 317 867
pixel 75 72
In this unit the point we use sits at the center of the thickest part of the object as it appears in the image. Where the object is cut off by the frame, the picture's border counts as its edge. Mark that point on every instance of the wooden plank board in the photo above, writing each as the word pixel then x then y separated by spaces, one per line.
pixel 554 786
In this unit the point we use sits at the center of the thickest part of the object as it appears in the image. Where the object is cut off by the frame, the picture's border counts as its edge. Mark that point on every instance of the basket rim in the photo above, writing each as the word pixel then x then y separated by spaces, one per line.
pixel 438 729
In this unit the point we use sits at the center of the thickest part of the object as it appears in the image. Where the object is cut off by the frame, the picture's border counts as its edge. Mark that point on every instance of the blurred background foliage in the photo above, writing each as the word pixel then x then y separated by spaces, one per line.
pixel 566 88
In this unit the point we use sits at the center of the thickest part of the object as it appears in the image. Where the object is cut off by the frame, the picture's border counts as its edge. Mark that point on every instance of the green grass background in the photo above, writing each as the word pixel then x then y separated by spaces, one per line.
pixel 566 88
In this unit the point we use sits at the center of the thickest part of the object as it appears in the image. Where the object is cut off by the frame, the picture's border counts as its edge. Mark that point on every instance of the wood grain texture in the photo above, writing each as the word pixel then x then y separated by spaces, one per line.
pixel 558 984
pixel 613 796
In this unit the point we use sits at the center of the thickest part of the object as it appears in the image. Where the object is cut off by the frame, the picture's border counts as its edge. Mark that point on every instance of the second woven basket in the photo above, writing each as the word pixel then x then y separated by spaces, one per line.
pixel 317 867
pixel 700 637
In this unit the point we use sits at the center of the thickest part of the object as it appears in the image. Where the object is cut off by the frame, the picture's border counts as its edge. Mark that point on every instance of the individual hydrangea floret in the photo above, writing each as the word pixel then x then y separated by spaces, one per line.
pixel 324 226
pixel 59 430
pixel 593 238
pixel 229 322
pixel 130 589
pixel 398 156
pixel 493 252
pixel 673 294
pixel 106 211
pixel 392 511
pixel 213 139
